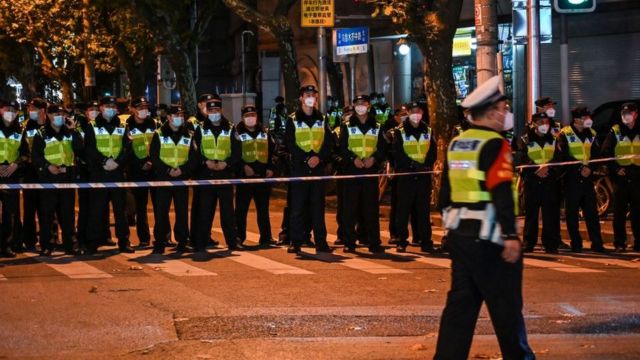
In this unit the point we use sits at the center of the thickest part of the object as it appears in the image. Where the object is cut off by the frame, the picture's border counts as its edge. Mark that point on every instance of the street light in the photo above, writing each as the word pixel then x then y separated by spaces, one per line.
pixel 403 47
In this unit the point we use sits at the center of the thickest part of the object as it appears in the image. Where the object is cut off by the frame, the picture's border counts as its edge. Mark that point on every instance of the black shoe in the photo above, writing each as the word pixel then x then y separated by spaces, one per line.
pixel 267 244
pixel 377 249
pixel 339 242
pixel 158 250
pixel 284 242
pixel 620 248
pixel 126 250
pixel 324 249
pixel 183 248
pixel 400 248
pixel 30 248
pixel 109 242
pixel 18 249
pixel 236 247
pixel 8 253
pixel 349 249
pixel 427 249
pixel 394 241
pixel 309 243
pixel 563 246
pixel 576 250
pixel 90 252
pixel 144 244
pixel 599 249
pixel 551 251
pixel 46 252
pixel 636 248
pixel 292 249
pixel 528 249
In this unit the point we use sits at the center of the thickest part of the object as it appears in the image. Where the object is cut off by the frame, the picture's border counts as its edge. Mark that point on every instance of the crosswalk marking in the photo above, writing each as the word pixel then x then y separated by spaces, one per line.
pixel 263 263
pixel 75 269
pixel 558 266
pixel 605 261
pixel 2 278
pixel 357 264
pixel 174 267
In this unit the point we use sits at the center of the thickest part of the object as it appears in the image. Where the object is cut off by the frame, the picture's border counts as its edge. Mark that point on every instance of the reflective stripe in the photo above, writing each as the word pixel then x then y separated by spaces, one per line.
pixel 363 145
pixel 625 147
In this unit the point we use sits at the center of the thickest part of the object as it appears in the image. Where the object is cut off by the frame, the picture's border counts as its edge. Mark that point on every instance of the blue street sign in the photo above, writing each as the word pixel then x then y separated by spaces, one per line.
pixel 352 40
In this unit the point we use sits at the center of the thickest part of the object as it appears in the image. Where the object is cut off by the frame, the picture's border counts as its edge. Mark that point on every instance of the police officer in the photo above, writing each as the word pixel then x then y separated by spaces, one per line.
pixel 363 150
pixel 278 117
pixel 414 150
pixel 547 106
pixel 161 114
pixel 55 148
pixel 308 140
pixel 219 153
pixel 257 148
pixel 13 156
pixel 334 112
pixel 478 211
pixel 107 145
pixel 399 116
pixel 140 129
pixel 578 142
pixel 537 147
pixel 173 156
pixel 382 109
pixel 624 140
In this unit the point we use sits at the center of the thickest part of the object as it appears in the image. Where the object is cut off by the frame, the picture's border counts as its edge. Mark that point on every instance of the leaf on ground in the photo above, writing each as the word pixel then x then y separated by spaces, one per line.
pixel 430 290
pixel 94 289
pixel 135 267
pixel 418 347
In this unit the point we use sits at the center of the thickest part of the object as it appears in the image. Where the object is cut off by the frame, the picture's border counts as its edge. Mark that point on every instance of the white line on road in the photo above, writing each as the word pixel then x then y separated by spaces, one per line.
pixel 2 278
pixel 604 261
pixel 571 310
pixel 262 263
pixel 174 267
pixel 74 269
pixel 557 266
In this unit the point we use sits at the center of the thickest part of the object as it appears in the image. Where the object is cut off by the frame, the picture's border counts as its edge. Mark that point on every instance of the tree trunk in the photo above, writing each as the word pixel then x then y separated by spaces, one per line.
pixel 289 63
pixel 67 92
pixel 181 64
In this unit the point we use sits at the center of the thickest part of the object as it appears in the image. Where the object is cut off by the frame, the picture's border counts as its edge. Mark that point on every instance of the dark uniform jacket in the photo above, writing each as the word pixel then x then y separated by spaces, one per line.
pixel 42 165
pixel 134 165
pixel 522 157
pixel 161 169
pixel 609 147
pixel 96 160
pixel 571 173
pixel 202 171
pixel 402 162
pixel 298 157
pixel 349 157
pixel 259 168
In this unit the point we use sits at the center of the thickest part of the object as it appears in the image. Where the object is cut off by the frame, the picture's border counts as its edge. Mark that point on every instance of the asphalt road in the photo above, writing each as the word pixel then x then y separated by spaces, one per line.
pixel 267 304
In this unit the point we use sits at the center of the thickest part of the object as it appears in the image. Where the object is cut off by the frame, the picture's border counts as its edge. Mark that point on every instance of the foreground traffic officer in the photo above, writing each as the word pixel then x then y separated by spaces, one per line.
pixel 173 155
pixel 624 140
pixel 308 140
pixel 362 147
pixel 219 153
pixel 414 151
pixel 578 142
pixel 13 155
pixel 55 148
pixel 541 184
pixel 478 211
pixel 257 149
pixel 106 147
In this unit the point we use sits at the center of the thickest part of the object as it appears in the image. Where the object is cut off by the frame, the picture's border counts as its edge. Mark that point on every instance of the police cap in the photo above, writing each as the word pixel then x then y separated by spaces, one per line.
pixel 308 88
pixel 544 101
pixel 485 95
pixel 361 98
pixel 108 100
pixel 139 101
pixel 175 109
pixel 55 108
pixel 629 107
pixel 579 112
pixel 38 103
pixel 248 109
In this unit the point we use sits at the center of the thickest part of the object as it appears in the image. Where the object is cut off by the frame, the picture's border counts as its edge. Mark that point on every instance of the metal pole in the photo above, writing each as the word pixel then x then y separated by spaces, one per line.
pixel 487 39
pixel 322 83
pixel 352 77
pixel 564 70
pixel 533 56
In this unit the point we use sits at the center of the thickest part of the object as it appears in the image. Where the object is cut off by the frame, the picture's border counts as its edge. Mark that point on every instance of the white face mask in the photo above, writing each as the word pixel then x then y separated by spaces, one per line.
pixel 93 114
pixel 177 121
pixel 8 116
pixel 508 121
pixel 214 118
pixel 361 109
pixel 415 118
pixel 404 118
pixel 543 129
pixel 143 114
pixel 587 123
pixel 310 101
pixel 627 119
pixel 251 121
pixel 108 113
pixel 34 115
pixel 469 118
pixel 551 112
pixel 58 120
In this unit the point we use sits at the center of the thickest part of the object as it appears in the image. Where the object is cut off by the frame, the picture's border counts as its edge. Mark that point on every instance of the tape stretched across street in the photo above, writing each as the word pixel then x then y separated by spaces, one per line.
pixel 134 184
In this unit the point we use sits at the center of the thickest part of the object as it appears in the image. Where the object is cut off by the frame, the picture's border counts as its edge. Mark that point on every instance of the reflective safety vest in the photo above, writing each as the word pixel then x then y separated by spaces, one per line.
pixel 334 117
pixel 309 138
pixel 172 154
pixel 274 115
pixel 9 147
pixel 141 141
pixel 109 145
pixel 463 159
pixel 382 116
pixel 579 150
pixel 59 152
pixel 541 154
pixel 30 134
pixel 255 149
pixel 363 145
pixel 416 149
pixel 216 148
pixel 625 147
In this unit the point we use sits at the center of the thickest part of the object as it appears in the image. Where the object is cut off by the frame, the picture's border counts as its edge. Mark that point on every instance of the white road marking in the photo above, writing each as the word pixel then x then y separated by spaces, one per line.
pixel 2 278
pixel 174 267
pixel 262 263
pixel 571 310
pixel 557 266
pixel 607 261
pixel 357 264
pixel 74 269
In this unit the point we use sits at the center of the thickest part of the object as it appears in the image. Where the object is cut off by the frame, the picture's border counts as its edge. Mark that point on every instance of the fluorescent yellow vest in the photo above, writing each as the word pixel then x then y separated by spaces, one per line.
pixel 382 116
pixel 255 149
pixel 172 154
pixel 577 149
pixel 625 147
pixel 141 141
pixel 540 155
pixel 216 148
pixel 9 147
pixel 309 138
pixel 109 145
pixel 59 152
pixel 416 149
pixel 463 158
pixel 363 145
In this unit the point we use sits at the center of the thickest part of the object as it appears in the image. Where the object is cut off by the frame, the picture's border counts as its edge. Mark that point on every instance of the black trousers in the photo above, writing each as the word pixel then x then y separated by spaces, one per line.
pixel 307 202
pixel 31 208
pixel 99 212
pixel 361 202
pixel 340 210
pixel 478 274
pixel 393 232
pixel 162 227
pixel 414 195
pixel 194 214
pixel 141 199
pixel 60 205
pixel 286 220
pixel 260 194
pixel 626 198
pixel 540 194
pixel 10 213
pixel 579 194
pixel 209 196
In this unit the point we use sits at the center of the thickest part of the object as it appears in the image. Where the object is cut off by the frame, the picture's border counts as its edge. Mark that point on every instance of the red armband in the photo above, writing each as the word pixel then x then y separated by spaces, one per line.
pixel 502 168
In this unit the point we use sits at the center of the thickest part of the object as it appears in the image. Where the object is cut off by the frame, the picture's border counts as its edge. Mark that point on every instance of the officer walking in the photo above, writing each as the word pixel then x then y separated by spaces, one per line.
pixel 257 149
pixel 541 184
pixel 414 150
pixel 578 142
pixel 624 140
pixel 478 211
pixel 141 127
pixel 54 155
pixel 308 140
pixel 173 156
pixel 13 155
pixel 219 153
pixel 107 145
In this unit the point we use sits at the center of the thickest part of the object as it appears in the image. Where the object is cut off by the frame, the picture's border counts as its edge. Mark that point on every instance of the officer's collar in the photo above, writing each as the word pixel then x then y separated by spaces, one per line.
pixel 479 127
pixel 354 121
pixel 224 124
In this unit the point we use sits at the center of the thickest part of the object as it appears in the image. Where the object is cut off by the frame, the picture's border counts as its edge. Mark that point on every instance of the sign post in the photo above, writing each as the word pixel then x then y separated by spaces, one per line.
pixel 350 42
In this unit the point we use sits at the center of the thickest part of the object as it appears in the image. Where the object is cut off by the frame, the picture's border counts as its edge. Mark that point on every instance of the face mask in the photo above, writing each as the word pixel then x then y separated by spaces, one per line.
pixel 177 121
pixel 58 120
pixel 543 129
pixel 469 118
pixel 508 121
pixel 214 118
pixel 551 112
pixel 33 115
pixel 108 113
pixel 310 101
pixel 415 118
pixel 404 118
pixel 587 123
pixel 8 116
pixel 361 109
pixel 374 102
pixel 93 114
pixel 382 101
pixel 627 119
pixel 143 114
pixel 250 121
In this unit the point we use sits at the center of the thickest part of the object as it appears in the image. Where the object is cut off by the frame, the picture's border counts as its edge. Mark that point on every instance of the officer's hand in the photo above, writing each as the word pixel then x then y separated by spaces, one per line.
pixel 248 170
pixel 10 169
pixel 147 166
pixel 512 251
pixel 369 162
pixel 585 172
pixel 622 172
pixel 269 173
pixel 54 169
pixel 212 165
pixel 110 165
pixel 222 165
pixel 358 163
pixel 175 172
pixel 543 172
pixel 313 162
